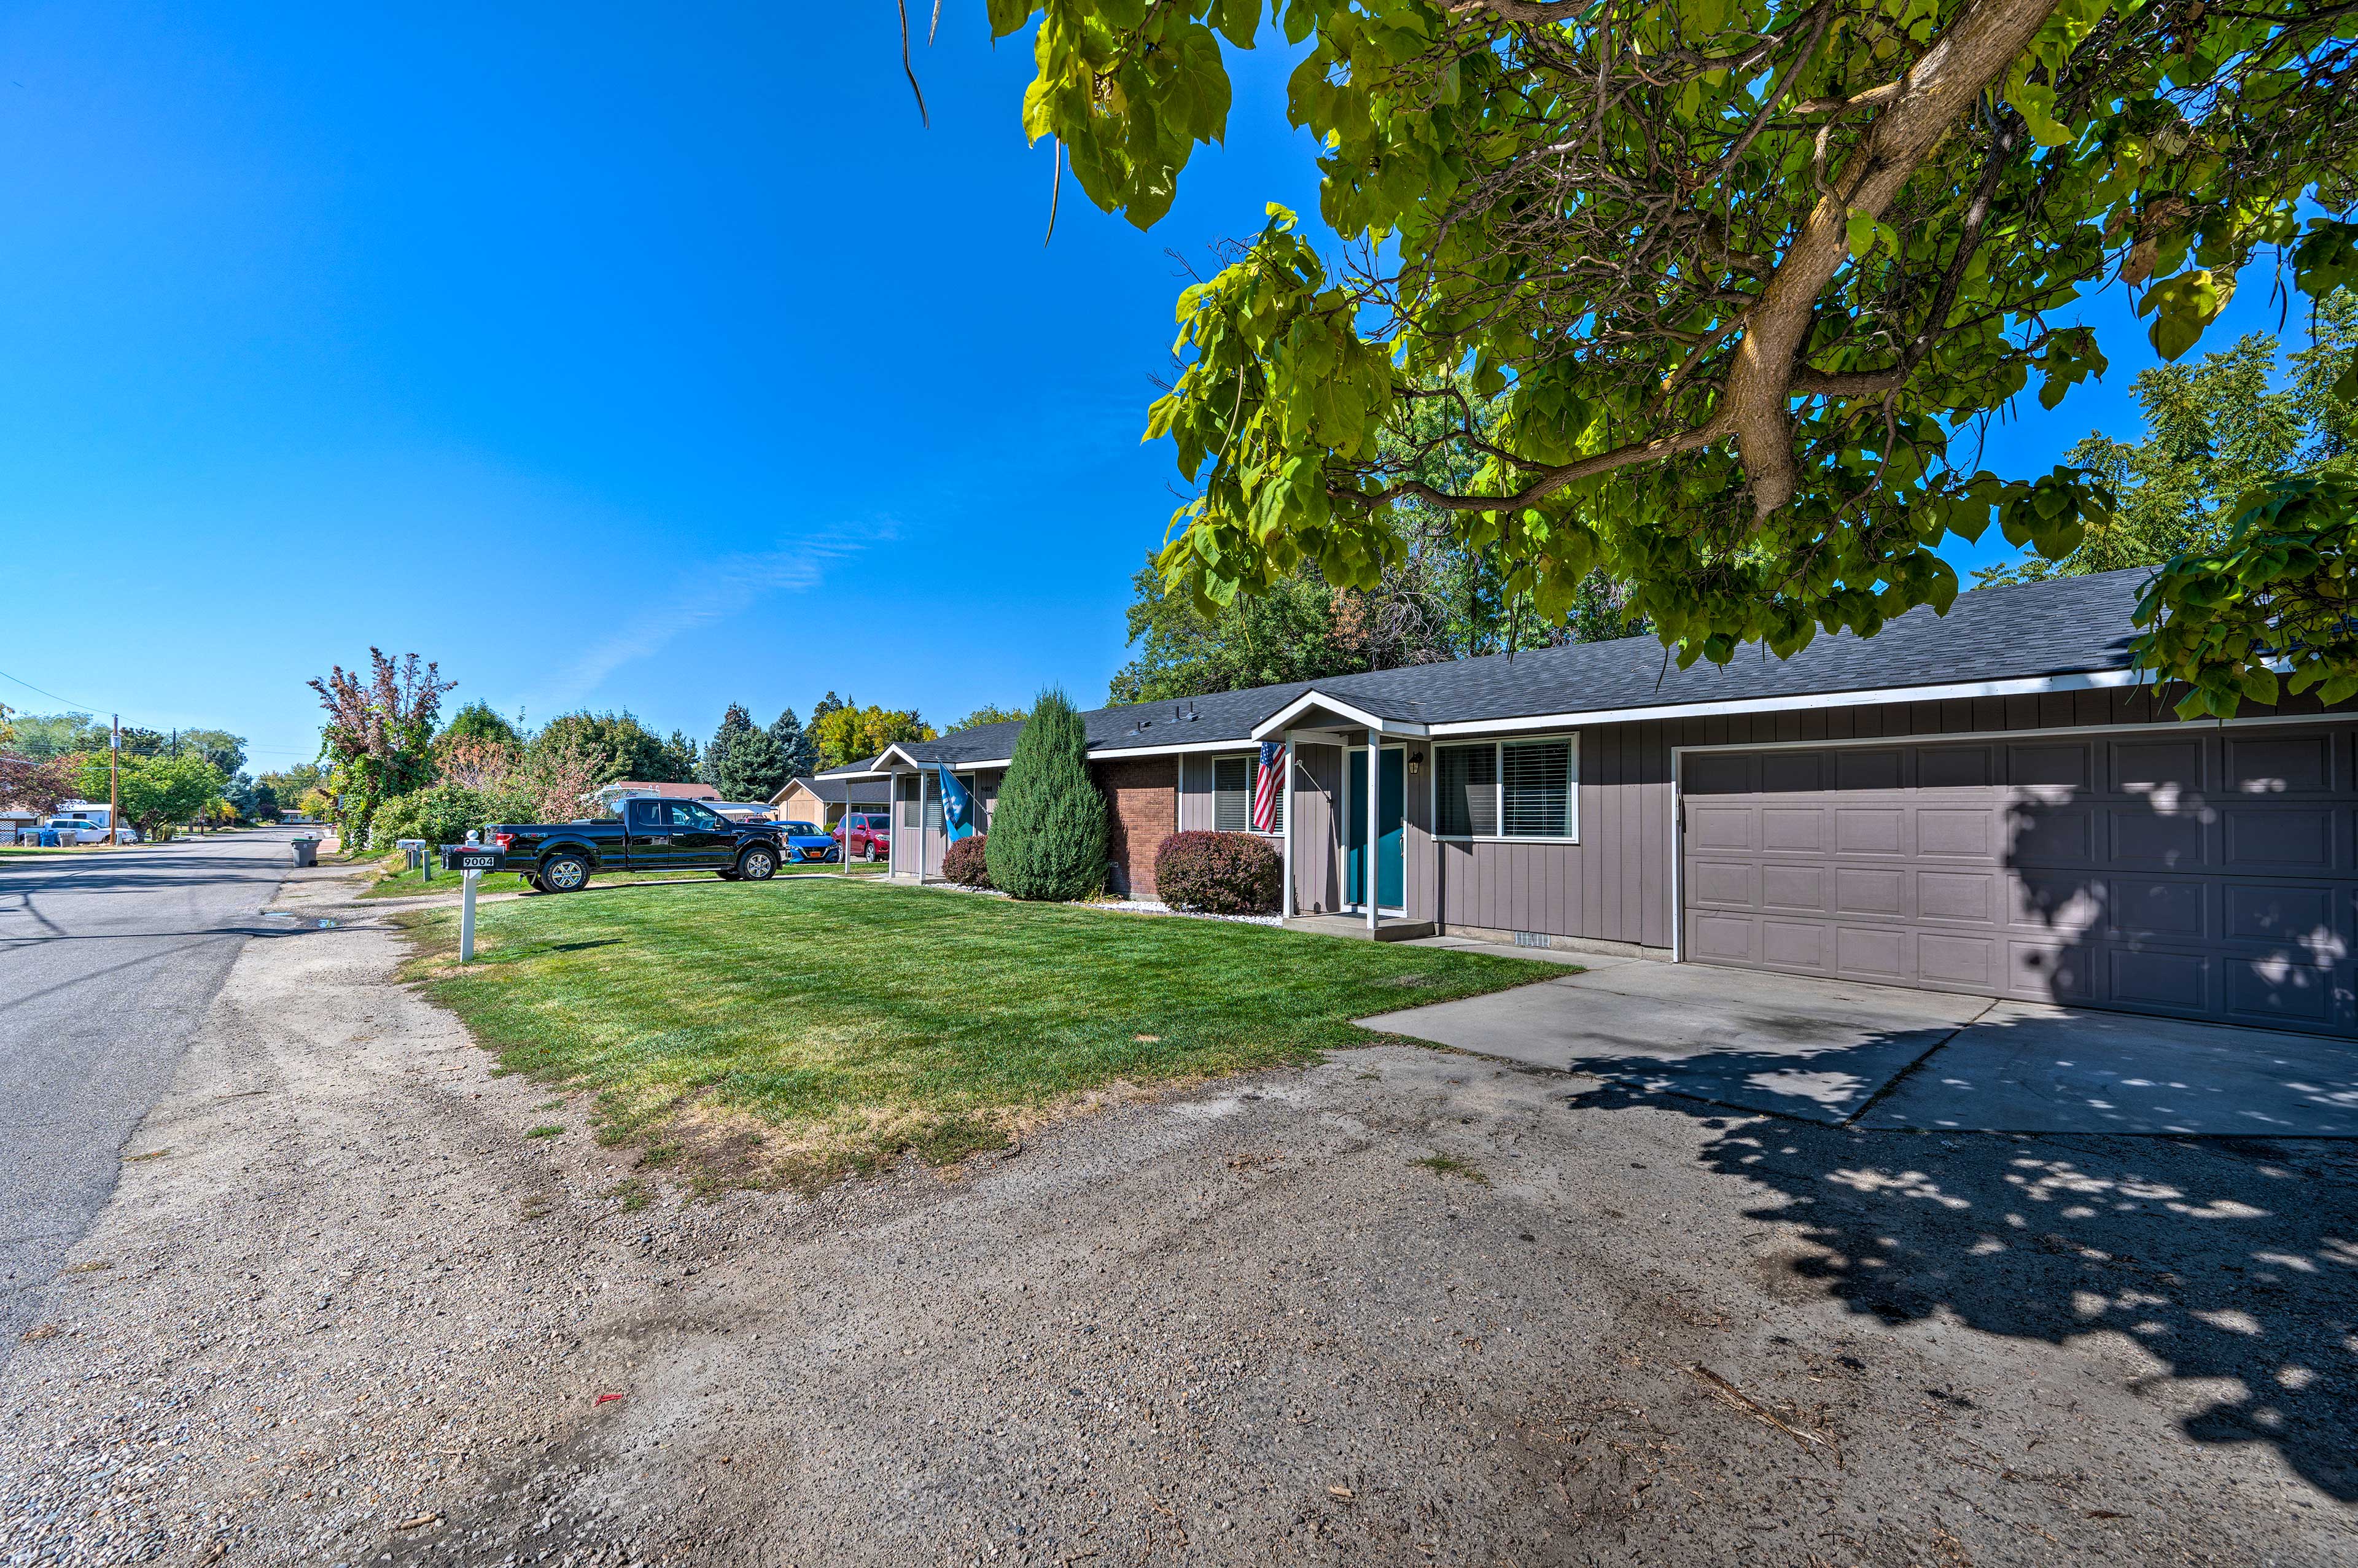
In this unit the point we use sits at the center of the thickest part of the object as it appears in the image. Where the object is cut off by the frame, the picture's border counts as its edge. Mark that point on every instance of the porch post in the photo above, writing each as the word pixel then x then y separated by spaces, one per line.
pixel 1369 881
pixel 1285 804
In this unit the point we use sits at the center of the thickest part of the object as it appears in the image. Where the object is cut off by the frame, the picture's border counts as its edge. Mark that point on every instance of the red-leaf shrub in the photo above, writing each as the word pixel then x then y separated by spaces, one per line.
pixel 964 863
pixel 1219 873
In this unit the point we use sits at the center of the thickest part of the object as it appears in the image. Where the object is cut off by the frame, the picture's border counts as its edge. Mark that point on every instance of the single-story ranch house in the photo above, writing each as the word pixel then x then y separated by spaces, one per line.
pixel 1991 802
pixel 825 799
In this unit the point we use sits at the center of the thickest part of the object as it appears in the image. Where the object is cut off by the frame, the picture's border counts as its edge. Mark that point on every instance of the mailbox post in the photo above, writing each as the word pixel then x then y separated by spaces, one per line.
pixel 471 860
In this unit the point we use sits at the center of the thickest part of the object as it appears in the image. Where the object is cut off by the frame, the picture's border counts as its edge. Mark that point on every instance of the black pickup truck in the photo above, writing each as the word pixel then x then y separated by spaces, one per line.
pixel 647 836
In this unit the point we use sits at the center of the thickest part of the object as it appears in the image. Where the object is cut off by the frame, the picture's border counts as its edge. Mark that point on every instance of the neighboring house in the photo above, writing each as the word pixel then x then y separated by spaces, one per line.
pixel 826 799
pixel 1991 802
pixel 626 789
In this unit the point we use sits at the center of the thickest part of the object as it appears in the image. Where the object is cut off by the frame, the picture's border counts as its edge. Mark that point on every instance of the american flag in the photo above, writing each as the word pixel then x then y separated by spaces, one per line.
pixel 1265 787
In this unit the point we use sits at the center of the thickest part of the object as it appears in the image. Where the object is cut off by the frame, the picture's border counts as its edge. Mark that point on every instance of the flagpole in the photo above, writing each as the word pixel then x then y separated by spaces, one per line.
pixel 1369 881
pixel 1285 788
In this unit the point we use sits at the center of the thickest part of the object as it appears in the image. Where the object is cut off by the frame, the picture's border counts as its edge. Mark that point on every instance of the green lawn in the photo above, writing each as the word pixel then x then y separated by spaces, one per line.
pixel 409 884
pixel 842 1024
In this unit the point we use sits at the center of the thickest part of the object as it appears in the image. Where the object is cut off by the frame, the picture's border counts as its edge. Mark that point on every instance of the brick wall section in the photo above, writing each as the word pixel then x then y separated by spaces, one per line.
pixel 1141 810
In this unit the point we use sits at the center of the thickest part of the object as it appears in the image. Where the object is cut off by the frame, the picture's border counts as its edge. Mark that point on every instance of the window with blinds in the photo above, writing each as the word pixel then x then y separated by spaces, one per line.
pixel 1510 789
pixel 1233 779
pixel 1535 784
pixel 1232 795
pixel 1466 790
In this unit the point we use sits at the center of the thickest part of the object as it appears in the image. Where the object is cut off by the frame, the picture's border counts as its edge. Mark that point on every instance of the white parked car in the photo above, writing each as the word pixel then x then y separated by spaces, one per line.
pixel 85 831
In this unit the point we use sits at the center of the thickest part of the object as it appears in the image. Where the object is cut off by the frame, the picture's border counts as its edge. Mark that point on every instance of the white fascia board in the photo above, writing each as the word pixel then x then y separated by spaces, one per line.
pixel 2026 685
pixel 1279 722
pixel 1180 749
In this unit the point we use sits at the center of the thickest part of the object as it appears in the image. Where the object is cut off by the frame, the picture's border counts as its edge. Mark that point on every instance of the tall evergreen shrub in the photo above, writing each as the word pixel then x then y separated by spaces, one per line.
pixel 1048 838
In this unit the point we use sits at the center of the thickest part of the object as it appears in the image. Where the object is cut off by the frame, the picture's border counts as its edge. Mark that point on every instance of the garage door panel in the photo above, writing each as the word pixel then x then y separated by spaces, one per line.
pixel 2288 990
pixel 1794 889
pixel 2061 904
pixel 2051 765
pixel 1720 826
pixel 1966 963
pixel 1796 945
pixel 2294 914
pixel 2044 834
pixel 1720 773
pixel 2160 980
pixel 2288 837
pixel 1883 954
pixel 1792 773
pixel 1966 832
pixel 2145 839
pixel 1878 890
pixel 1876 768
pixel 1968 767
pixel 1870 830
pixel 2211 874
pixel 2153 906
pixel 1794 830
pixel 2049 971
pixel 1966 896
pixel 1733 884
pixel 2280 765
pixel 1717 938
pixel 2173 765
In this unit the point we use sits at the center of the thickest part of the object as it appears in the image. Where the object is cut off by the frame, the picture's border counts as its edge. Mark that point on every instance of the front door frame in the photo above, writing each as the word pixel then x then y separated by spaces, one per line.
pixel 1356 811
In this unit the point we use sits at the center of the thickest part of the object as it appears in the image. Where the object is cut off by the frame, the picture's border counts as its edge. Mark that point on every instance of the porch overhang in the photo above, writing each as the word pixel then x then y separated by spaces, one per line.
pixel 1316 709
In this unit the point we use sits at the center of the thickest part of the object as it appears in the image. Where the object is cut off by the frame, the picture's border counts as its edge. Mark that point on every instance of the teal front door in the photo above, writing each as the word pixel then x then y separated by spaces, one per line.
pixel 1391 795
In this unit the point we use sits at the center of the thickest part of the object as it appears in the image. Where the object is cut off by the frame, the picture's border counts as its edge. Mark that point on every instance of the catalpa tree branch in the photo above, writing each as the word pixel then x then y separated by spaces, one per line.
pixel 1710 282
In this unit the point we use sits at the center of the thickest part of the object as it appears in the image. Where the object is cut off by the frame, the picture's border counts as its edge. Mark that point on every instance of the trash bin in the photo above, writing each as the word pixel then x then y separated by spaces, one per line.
pixel 306 851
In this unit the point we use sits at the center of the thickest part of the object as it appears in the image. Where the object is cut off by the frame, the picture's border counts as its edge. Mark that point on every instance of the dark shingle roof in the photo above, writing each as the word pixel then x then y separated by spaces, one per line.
pixel 2061 626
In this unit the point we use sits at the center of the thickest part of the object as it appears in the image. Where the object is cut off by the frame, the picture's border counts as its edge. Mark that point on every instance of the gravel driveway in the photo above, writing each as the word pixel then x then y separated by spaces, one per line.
pixel 1406 1307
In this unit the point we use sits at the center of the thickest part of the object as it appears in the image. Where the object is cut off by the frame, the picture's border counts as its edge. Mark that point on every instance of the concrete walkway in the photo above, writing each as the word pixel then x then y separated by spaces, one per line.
pixel 1832 1051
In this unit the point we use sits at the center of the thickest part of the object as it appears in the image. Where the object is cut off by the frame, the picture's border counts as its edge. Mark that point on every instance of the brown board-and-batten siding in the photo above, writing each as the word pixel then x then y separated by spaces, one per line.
pixel 1599 888
pixel 1317 798
pixel 1615 884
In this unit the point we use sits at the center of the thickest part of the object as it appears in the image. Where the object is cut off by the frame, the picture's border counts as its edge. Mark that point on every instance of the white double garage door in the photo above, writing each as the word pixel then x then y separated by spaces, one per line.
pixel 2199 872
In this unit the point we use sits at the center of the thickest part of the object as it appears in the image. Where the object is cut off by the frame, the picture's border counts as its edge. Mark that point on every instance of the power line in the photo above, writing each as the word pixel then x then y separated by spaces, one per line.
pixel 53 697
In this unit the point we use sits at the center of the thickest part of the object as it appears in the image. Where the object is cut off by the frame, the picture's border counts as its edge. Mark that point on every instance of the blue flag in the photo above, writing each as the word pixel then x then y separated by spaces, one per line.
pixel 957 805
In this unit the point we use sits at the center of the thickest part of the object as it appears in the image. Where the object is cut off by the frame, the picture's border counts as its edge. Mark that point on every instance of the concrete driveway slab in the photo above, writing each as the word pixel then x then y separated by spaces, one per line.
pixel 2027 1068
pixel 1785 1043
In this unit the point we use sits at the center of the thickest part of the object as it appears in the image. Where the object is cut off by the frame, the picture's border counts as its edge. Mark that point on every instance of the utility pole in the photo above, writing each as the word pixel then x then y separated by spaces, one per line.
pixel 114 782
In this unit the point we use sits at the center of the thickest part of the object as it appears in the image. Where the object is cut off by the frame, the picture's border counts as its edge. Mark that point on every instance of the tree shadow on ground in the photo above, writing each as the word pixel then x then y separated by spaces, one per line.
pixel 2232 1263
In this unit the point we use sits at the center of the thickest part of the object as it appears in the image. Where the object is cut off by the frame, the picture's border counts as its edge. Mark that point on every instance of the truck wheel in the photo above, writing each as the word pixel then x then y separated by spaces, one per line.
pixel 566 872
pixel 757 864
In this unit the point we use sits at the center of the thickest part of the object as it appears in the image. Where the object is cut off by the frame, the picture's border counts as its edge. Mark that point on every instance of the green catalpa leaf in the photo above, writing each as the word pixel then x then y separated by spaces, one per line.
pixel 2035 102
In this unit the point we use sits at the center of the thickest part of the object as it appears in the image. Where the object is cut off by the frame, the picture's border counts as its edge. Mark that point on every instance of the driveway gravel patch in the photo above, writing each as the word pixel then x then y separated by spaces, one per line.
pixel 353 1315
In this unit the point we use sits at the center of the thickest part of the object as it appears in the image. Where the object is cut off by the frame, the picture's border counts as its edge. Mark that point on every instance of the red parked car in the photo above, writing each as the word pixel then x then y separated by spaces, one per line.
pixel 870 836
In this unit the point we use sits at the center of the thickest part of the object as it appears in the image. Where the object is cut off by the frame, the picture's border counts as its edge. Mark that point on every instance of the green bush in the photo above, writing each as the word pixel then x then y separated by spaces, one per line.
pixel 443 814
pixel 1047 837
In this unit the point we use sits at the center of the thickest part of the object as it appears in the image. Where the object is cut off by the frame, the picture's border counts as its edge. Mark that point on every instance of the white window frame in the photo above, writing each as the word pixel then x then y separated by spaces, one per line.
pixel 1498 785
pixel 1252 761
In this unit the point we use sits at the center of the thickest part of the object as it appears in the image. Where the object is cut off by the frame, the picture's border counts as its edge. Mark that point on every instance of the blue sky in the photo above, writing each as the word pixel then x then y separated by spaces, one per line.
pixel 607 358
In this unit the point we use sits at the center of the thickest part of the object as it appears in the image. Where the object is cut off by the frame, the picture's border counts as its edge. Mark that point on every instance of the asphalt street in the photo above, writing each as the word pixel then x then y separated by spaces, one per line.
pixel 108 961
